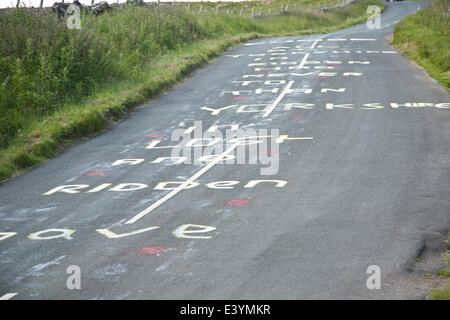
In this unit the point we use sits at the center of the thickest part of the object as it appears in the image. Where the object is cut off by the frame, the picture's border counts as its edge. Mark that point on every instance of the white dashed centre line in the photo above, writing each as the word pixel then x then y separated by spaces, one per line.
pixel 302 63
pixel 277 101
pixel 8 296
pixel 315 43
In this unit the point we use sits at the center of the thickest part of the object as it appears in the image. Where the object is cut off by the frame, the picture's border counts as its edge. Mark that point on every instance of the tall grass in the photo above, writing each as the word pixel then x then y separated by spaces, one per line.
pixel 425 38
pixel 43 63
pixel 48 71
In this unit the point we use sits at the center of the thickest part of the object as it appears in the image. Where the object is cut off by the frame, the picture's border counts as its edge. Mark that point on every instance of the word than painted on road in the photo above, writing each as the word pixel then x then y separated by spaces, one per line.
pixel 276 90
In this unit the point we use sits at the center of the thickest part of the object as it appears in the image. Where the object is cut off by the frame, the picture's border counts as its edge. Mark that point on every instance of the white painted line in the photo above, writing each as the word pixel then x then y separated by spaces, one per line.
pixel 315 43
pixel 285 41
pixel 254 43
pixel 181 186
pixel 234 56
pixel 302 63
pixel 362 39
pixel 277 101
pixel 8 296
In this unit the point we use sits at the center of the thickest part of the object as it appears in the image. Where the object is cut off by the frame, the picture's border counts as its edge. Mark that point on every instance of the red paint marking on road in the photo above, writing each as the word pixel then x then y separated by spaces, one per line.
pixel 297 117
pixel 94 173
pixel 150 250
pixel 237 202
pixel 239 98
pixel 320 77
pixel 332 64
pixel 270 151
pixel 265 71
pixel 153 136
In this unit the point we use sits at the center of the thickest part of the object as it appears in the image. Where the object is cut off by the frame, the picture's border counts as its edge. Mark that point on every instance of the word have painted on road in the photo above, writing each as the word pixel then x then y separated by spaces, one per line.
pixel 184 231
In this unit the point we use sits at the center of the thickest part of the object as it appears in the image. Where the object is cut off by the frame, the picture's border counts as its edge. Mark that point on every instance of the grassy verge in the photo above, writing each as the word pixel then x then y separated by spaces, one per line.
pixel 58 86
pixel 424 38
pixel 443 293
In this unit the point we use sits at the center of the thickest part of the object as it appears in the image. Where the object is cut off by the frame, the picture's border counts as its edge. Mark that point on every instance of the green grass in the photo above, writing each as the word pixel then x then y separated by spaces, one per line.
pixel 58 86
pixel 445 272
pixel 424 38
pixel 443 293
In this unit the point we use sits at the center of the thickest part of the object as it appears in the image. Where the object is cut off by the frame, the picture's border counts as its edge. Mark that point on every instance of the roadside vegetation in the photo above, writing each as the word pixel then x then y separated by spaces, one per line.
pixel 424 38
pixel 58 85
pixel 444 292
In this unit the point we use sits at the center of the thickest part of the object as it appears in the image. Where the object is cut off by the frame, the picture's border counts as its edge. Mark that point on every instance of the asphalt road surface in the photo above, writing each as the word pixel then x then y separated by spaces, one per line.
pixel 351 170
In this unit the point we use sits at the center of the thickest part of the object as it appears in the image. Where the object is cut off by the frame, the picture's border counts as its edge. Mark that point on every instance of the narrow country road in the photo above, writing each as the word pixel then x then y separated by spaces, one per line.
pixel 355 172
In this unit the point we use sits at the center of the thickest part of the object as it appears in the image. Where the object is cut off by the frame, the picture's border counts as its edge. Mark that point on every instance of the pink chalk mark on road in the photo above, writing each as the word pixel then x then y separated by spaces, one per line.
pixel 150 250
pixel 270 152
pixel 237 202
pixel 239 98
pixel 297 117
pixel 320 77
pixel 153 136
pixel 94 173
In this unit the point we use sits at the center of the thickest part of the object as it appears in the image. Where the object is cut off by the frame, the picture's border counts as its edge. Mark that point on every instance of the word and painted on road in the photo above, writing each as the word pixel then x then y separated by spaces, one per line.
pixel 248 146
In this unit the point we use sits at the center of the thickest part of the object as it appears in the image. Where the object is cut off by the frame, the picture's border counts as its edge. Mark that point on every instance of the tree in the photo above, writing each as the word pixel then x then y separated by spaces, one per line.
pixel 18 3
